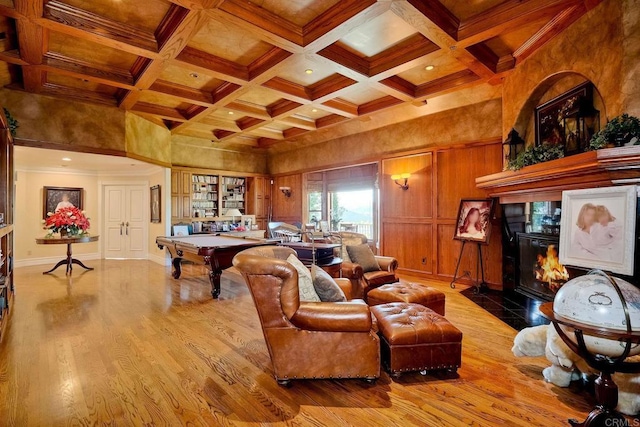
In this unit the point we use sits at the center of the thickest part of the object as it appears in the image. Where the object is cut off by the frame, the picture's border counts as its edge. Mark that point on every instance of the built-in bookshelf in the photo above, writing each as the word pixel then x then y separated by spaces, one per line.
pixel 6 224
pixel 204 196
pixel 233 194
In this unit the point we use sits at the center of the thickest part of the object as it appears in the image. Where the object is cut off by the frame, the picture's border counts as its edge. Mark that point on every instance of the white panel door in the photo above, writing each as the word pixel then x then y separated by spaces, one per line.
pixel 125 226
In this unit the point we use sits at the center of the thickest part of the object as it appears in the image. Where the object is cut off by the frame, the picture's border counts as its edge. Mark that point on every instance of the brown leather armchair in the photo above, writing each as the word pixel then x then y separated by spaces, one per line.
pixel 363 282
pixel 309 340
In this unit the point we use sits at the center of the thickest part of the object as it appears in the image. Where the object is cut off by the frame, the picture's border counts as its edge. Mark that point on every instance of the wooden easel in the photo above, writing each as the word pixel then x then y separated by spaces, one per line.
pixel 480 284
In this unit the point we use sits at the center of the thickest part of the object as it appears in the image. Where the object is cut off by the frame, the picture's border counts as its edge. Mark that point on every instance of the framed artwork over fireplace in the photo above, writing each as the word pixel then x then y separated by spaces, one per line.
pixel 598 228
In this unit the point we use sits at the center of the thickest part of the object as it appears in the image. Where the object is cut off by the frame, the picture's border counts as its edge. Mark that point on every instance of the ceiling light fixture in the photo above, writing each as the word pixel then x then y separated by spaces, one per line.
pixel 194 75
pixel 429 67
pixel 314 110
pixel 231 113
pixel 66 159
pixel 308 71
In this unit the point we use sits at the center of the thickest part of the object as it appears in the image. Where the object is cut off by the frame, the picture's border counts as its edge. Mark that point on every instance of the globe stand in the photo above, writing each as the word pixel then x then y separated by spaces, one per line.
pixel 604 414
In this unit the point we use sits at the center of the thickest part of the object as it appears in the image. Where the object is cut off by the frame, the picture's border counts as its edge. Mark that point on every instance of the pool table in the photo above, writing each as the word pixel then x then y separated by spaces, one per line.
pixel 216 252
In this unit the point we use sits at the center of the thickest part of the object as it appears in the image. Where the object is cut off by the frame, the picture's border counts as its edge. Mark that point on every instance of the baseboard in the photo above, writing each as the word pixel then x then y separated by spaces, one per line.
pixel 162 260
pixel 53 260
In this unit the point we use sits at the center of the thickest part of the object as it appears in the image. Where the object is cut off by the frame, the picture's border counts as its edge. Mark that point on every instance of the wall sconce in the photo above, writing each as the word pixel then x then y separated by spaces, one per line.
pixel 286 191
pixel 404 176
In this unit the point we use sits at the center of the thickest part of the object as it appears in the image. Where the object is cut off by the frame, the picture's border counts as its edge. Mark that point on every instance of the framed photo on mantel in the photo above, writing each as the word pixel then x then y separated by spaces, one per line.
pixel 54 198
pixel 598 228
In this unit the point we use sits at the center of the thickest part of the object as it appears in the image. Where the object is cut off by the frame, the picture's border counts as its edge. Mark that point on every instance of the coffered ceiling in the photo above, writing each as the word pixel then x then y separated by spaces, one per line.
pixel 256 73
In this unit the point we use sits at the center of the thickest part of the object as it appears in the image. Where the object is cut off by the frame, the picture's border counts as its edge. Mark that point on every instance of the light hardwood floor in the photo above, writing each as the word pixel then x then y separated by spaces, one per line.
pixel 127 345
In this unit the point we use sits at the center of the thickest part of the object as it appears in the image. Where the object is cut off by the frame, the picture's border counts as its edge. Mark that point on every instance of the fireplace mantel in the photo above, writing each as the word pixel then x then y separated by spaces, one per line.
pixel 546 181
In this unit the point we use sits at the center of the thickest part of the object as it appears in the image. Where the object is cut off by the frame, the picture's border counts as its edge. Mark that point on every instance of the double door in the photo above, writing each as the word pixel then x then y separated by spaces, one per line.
pixel 125 216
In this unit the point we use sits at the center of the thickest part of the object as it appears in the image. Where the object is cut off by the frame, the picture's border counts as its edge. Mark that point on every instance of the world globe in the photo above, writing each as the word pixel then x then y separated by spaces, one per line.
pixel 592 300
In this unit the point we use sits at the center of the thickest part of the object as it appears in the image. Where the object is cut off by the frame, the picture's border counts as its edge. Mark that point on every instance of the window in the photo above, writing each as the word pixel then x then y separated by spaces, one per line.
pixel 352 211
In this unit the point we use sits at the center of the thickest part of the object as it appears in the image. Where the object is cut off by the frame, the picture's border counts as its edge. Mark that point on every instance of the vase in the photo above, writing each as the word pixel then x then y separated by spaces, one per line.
pixel 64 233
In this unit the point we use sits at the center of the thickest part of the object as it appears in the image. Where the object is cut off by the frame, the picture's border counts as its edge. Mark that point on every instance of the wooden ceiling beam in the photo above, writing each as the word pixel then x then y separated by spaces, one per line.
pixel 378 104
pixel 76 22
pixel 174 32
pixel 292 132
pixel 247 124
pixel 407 51
pixel 159 111
pixel 197 4
pixel 437 13
pixel 183 93
pixel 78 94
pixel 298 122
pixel 396 91
pixel 196 60
pixel 330 120
pixel 32 41
pixel 508 16
pixel 282 107
pixel 341 107
pixel 250 109
pixel 339 20
pixel 57 63
pixel 445 83
pixel 267 61
pixel 551 29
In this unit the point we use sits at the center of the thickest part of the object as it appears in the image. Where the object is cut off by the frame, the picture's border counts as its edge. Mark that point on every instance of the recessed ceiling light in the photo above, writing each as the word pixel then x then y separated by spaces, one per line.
pixel 194 75
pixel 429 67
pixel 315 110
pixel 308 71
pixel 66 159
pixel 231 113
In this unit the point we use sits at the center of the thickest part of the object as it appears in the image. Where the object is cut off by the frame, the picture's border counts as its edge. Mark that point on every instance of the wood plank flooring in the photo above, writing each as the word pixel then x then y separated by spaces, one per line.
pixel 128 345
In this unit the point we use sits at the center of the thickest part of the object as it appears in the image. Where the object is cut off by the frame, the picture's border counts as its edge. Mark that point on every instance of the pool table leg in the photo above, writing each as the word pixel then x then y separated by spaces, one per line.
pixel 177 268
pixel 214 278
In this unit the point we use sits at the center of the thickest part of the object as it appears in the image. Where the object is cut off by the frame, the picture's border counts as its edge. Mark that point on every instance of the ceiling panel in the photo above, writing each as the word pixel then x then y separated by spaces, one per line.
pixel 443 65
pixel 194 80
pixel 361 95
pixel 300 12
pixel 378 35
pixel 162 100
pixel 311 112
pixel 261 96
pixel 89 52
pixel 228 41
pixel 146 15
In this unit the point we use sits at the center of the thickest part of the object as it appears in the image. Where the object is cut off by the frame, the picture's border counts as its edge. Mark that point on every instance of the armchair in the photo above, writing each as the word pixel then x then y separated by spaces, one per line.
pixel 363 282
pixel 309 339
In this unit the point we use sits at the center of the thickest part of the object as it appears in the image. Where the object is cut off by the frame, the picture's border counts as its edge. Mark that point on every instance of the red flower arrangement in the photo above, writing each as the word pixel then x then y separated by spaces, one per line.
pixel 67 220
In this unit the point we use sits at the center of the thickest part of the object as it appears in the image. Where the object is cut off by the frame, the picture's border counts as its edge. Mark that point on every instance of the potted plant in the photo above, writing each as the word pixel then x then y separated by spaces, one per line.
pixel 619 131
pixel 536 154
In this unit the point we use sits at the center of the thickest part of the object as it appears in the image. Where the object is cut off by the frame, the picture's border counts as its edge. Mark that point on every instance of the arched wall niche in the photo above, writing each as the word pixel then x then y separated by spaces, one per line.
pixel 551 87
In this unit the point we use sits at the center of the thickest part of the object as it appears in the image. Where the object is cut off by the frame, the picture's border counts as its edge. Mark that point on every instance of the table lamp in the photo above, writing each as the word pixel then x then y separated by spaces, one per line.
pixel 233 213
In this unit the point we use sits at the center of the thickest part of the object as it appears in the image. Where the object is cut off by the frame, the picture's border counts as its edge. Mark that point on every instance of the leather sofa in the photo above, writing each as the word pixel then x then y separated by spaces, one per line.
pixel 363 282
pixel 308 340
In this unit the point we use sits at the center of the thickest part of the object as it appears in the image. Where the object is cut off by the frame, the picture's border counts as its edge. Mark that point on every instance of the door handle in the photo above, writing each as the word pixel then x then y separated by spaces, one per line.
pixel 127 229
pixel 121 225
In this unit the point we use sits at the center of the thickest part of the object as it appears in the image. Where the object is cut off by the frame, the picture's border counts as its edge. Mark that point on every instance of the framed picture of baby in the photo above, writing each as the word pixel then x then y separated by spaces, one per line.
pixel 56 198
pixel 598 228
pixel 474 220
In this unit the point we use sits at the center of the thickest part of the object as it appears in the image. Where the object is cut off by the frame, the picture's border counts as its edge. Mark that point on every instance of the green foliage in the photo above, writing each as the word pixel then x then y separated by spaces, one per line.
pixel 337 211
pixel 13 123
pixel 619 131
pixel 536 154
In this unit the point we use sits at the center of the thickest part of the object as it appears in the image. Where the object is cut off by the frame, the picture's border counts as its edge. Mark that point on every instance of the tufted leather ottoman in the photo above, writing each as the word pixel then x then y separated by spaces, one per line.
pixel 415 338
pixel 410 293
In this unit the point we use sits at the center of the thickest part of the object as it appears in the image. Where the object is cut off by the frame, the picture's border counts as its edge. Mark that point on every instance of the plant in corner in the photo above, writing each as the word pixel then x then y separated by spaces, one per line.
pixel 619 131
pixel 13 123
pixel 536 154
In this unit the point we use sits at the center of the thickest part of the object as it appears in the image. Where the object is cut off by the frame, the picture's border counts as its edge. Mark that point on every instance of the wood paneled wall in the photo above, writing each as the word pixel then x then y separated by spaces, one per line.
pixel 418 224
pixel 288 209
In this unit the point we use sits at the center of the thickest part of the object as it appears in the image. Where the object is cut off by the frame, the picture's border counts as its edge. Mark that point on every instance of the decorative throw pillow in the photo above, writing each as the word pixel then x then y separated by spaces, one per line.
pixel 362 254
pixel 305 283
pixel 326 288
pixel 349 241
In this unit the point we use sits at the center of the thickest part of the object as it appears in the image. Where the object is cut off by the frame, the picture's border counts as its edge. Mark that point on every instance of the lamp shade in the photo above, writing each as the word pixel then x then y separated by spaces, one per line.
pixel 233 213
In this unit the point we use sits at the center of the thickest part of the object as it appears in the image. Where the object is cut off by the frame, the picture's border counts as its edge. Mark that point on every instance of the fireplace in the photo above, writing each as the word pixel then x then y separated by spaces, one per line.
pixel 540 272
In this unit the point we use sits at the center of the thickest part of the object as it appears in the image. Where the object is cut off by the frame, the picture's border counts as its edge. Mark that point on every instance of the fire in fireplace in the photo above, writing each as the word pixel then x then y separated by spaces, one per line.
pixel 540 272
pixel 549 270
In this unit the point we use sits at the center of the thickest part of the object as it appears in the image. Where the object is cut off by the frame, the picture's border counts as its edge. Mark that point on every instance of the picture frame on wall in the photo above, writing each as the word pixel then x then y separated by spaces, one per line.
pixel 598 228
pixel 156 205
pixel 474 220
pixel 54 198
